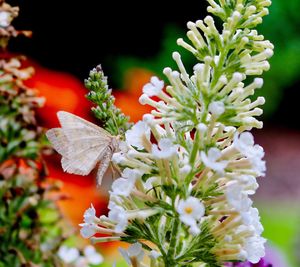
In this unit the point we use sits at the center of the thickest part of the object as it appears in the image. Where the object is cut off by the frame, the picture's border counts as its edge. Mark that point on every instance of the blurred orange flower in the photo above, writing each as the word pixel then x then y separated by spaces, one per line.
pixel 128 99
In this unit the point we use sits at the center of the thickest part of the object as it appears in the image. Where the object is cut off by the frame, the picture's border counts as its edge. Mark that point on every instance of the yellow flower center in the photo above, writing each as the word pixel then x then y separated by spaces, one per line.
pixel 188 210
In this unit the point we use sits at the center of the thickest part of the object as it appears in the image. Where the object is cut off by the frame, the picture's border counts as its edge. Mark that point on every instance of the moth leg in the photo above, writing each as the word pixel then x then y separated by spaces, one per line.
pixel 103 165
pixel 116 172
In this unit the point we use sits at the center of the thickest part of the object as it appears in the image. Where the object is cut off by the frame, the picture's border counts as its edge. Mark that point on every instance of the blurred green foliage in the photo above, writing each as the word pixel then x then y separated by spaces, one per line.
pixel 30 223
pixel 29 229
pixel 281 222
pixel 30 226
pixel 281 27
pixel 19 134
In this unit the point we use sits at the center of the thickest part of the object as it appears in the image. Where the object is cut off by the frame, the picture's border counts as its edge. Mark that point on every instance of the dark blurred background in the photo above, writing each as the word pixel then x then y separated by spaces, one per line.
pixel 75 36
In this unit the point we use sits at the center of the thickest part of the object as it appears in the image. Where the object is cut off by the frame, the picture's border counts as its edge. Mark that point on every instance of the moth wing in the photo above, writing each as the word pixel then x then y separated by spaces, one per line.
pixel 81 143
pixel 83 162
pixel 69 148
pixel 84 139
pixel 70 121
pixel 58 140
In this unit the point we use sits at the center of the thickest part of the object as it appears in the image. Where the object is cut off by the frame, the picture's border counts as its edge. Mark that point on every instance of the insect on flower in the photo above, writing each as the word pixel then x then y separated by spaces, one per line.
pixel 83 145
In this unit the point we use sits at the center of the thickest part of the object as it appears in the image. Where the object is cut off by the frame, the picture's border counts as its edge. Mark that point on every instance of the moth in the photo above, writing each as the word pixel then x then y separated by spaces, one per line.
pixel 83 145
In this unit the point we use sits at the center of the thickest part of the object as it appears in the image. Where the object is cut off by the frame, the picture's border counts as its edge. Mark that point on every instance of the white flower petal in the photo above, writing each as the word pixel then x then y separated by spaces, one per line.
pixel 165 149
pixel 125 255
pixel 132 173
pixel 119 216
pixel 190 210
pixel 154 87
pixel 249 183
pixel 135 136
pixel 122 187
pixel 92 256
pixel 134 251
pixel 154 254
pixel 118 158
pixel 87 230
pixel 252 218
pixel 68 255
pixel 216 108
pixel 244 143
pixel 89 215
pixel 237 198
pixel 194 230
pixel 254 246
pixel 211 160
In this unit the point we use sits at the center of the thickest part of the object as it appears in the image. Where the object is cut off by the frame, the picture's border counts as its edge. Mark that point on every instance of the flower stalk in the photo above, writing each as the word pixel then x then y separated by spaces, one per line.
pixel 189 168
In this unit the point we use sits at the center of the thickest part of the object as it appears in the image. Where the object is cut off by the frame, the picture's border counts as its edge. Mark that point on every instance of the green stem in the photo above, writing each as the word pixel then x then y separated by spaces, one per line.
pixel 193 156
pixel 172 246
pixel 195 148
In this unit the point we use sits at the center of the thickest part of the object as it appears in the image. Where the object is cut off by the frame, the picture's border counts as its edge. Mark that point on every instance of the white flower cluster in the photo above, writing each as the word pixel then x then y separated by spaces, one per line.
pixel 188 168
pixel 72 256
pixel 235 224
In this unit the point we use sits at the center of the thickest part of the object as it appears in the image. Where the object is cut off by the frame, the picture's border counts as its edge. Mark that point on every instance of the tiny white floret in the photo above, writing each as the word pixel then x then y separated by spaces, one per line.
pixel 119 216
pixel 154 87
pixel 165 149
pixel 190 212
pixel 89 215
pixel 135 136
pixel 125 184
pixel 211 160
pixel 87 229
pixel 216 108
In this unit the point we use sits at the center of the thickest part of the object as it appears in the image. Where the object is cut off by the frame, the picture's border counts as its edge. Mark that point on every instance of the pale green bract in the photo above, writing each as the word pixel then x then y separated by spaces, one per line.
pixel 188 168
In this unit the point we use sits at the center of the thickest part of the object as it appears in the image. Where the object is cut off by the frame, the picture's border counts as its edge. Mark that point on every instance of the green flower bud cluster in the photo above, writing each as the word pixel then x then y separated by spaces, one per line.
pixel 111 117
